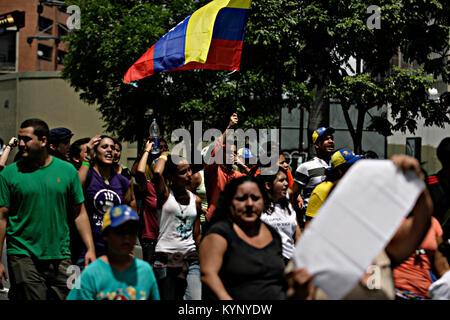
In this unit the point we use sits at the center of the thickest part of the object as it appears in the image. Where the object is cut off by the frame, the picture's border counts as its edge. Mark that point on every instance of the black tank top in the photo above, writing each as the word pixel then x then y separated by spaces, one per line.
pixel 249 273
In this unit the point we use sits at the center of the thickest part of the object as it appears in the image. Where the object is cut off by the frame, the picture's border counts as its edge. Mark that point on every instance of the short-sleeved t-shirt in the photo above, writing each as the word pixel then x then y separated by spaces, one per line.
pixel 38 203
pixel 100 281
pixel 414 273
pixel 101 196
pixel 248 272
pixel 318 197
pixel 309 175
pixel 285 222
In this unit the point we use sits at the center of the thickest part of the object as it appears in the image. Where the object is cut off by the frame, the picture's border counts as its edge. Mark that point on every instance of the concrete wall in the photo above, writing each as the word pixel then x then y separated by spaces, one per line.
pixel 431 137
pixel 45 95
pixel 8 102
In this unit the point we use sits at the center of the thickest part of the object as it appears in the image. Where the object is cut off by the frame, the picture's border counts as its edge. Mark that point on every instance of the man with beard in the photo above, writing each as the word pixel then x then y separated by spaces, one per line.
pixel 35 194
pixel 311 173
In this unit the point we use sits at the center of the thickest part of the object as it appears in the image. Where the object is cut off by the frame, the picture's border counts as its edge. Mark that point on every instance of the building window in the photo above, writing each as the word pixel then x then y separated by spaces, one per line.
pixel 45 23
pixel 8 51
pixel 61 31
pixel 414 147
pixel 61 55
pixel 44 52
pixel 62 8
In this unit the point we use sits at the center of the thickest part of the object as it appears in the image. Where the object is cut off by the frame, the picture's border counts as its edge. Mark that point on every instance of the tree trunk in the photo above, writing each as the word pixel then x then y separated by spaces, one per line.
pixel 357 139
pixel 319 114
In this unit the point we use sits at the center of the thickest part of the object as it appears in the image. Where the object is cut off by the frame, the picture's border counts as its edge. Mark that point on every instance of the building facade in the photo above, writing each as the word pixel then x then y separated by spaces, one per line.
pixel 38 46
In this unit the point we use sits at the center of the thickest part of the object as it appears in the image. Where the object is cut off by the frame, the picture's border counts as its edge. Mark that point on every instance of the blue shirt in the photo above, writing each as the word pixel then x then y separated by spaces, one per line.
pixel 101 281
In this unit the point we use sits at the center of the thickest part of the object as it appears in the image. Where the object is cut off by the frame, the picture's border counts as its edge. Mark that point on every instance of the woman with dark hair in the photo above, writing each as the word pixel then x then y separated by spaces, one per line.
pixel 103 187
pixel 241 256
pixel 176 257
pixel 280 214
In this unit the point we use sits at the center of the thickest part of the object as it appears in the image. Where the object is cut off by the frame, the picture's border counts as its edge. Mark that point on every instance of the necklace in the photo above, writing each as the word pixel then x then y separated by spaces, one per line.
pixel 179 205
pixel 181 209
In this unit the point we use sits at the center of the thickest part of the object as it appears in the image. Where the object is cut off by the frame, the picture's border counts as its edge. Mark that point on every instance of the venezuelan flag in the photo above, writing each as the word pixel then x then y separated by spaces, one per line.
pixel 210 38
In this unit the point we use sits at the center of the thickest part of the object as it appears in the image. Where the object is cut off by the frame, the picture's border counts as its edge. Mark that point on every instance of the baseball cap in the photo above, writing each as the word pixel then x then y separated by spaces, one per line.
pixel 343 156
pixel 321 132
pixel 244 153
pixel 60 134
pixel 118 215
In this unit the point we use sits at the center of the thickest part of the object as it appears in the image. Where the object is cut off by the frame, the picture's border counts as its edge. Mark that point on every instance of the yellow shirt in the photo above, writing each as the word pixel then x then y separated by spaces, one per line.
pixel 318 197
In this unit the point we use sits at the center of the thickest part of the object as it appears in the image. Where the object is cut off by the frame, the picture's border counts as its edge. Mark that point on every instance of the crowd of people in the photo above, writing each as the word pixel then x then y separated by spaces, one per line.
pixel 219 230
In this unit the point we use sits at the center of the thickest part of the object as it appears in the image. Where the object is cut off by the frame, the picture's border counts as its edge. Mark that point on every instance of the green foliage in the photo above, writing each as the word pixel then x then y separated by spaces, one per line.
pixel 334 31
pixel 114 34
pixel 290 48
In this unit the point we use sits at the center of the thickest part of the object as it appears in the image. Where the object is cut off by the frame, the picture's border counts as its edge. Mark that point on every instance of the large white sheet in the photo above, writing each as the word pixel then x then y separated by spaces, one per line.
pixel 355 223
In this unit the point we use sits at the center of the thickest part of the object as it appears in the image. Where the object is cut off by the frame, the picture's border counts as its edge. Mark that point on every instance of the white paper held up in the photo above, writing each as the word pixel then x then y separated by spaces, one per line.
pixel 355 223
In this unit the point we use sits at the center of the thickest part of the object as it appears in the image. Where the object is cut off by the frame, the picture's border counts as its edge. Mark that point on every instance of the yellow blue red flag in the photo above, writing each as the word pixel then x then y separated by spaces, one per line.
pixel 210 38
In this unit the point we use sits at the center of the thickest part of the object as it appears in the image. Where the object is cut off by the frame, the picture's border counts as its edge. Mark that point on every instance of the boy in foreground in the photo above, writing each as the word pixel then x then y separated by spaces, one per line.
pixel 117 275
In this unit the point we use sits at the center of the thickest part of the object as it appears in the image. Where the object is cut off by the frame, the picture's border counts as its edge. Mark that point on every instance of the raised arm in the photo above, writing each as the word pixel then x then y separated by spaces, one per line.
pixel 233 122
pixel 142 164
pixel 4 157
pixel 87 161
pixel 212 250
pixel 162 191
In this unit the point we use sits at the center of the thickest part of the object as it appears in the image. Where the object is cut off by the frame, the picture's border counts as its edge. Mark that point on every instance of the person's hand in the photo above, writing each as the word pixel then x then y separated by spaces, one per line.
pixel 406 163
pixel 2 274
pixel 300 285
pixel 90 147
pixel 149 145
pixel 233 120
pixel 13 142
pixel 93 142
pixel 300 202
pixel 238 161
pixel 89 257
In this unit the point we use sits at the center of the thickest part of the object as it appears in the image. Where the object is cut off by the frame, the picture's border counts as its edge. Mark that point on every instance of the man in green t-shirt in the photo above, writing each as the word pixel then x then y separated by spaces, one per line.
pixel 36 194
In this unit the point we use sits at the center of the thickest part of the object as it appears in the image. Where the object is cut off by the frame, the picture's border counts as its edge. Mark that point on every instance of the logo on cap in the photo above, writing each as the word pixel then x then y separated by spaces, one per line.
pixel 318 133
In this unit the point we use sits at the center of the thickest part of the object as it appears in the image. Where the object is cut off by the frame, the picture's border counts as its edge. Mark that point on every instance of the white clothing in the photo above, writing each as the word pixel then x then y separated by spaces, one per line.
pixel 285 224
pixel 176 225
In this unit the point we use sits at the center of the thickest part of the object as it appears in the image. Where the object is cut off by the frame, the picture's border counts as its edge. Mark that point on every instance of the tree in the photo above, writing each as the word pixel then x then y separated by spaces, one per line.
pixel 335 31
pixel 293 51
pixel 114 34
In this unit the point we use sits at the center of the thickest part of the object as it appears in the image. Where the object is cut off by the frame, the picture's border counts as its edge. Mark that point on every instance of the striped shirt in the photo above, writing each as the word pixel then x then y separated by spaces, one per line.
pixel 309 174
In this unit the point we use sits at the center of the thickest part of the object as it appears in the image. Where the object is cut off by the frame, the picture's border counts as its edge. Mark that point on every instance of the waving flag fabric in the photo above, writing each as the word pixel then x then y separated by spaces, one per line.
pixel 210 38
